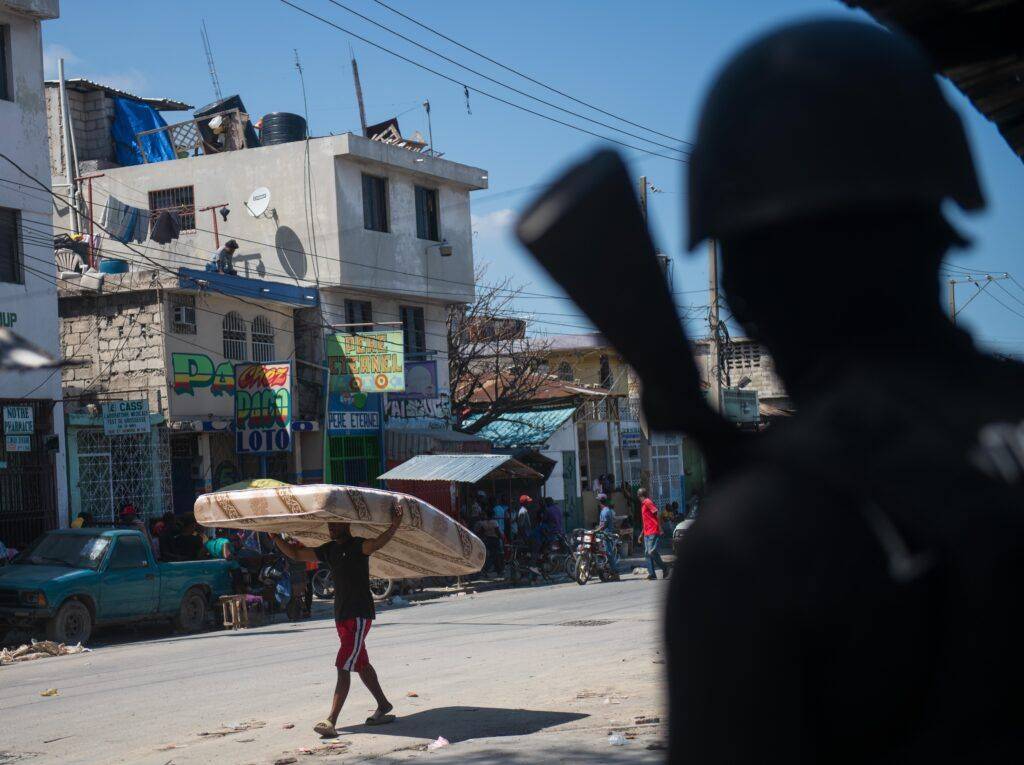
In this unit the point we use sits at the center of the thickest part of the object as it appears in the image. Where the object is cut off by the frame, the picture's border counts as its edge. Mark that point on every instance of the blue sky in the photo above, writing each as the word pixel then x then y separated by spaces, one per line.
pixel 647 61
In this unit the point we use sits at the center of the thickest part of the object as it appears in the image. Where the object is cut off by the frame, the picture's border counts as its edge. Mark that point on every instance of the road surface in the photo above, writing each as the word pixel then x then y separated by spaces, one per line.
pixel 512 676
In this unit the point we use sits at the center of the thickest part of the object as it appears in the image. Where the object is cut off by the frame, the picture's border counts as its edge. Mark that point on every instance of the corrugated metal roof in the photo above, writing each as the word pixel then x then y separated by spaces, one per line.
pixel 459 468
pixel 527 428
pixel 83 85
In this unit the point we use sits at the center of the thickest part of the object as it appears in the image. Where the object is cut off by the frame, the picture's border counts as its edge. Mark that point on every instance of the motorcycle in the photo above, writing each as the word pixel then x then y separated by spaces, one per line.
pixel 323 585
pixel 591 556
pixel 557 556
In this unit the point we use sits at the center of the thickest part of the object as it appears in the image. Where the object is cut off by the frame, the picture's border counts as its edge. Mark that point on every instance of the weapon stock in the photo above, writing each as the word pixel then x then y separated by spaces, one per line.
pixel 588 232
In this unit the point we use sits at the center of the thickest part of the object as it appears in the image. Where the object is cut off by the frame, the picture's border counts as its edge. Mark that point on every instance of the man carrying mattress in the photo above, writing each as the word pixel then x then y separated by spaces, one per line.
pixel 349 559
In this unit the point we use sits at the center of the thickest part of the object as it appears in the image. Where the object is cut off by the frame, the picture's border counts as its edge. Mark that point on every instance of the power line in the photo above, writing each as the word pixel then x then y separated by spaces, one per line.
pixel 528 77
pixel 498 82
pixel 202 260
pixel 476 89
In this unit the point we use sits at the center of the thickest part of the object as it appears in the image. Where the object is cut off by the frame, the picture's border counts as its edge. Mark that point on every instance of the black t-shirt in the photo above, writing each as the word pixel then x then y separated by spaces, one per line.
pixel 351 571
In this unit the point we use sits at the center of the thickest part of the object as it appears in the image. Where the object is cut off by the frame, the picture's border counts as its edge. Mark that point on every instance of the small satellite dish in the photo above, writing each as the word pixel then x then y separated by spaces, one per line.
pixel 258 201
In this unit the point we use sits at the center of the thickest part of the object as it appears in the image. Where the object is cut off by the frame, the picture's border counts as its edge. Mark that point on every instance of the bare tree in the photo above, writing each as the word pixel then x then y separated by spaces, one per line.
pixel 494 366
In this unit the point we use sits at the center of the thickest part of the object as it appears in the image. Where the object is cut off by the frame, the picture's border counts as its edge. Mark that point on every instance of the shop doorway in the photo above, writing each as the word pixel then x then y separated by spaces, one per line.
pixel 354 460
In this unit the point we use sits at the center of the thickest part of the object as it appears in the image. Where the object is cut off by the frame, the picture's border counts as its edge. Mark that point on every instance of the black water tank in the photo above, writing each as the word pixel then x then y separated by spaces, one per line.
pixel 282 127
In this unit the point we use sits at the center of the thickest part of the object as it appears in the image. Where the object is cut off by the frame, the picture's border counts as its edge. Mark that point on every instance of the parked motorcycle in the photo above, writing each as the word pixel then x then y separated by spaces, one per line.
pixel 557 557
pixel 323 585
pixel 591 556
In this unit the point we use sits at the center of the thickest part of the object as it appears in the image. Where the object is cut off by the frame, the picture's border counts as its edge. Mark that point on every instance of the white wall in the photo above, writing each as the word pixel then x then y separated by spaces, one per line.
pixel 563 439
pixel 23 139
pixel 279 248
pixel 199 397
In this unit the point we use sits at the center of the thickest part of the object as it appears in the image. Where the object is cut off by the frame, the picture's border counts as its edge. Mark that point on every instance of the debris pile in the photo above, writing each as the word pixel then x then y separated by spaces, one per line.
pixel 38 650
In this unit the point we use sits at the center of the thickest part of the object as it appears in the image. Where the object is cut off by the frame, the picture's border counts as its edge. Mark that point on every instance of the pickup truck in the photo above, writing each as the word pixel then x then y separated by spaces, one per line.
pixel 73 580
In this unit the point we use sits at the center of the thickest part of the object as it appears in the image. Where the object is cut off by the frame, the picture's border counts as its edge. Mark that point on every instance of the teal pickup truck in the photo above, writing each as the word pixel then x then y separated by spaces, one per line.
pixel 73 580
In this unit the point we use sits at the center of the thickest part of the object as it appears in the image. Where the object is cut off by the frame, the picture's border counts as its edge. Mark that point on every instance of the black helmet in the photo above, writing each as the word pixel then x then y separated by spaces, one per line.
pixel 819 117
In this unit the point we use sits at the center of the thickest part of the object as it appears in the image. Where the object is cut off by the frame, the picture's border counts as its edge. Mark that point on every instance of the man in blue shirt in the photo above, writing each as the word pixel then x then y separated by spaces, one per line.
pixel 607 523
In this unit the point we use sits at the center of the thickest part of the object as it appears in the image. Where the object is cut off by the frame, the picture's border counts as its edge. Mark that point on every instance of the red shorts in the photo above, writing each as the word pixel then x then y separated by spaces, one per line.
pixel 352 654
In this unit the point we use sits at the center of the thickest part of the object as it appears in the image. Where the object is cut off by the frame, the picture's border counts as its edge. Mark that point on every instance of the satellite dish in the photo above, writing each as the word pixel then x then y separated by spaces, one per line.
pixel 258 201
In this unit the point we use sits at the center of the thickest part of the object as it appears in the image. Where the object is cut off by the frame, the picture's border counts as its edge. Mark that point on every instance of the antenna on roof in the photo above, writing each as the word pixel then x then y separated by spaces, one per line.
pixel 209 61
pixel 359 91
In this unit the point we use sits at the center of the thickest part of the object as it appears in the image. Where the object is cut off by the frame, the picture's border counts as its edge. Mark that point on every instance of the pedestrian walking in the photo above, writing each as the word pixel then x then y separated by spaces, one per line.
pixel 349 560
pixel 652 535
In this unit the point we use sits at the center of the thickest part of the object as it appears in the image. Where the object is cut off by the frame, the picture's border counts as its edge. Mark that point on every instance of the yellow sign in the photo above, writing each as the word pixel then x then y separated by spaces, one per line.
pixel 367 362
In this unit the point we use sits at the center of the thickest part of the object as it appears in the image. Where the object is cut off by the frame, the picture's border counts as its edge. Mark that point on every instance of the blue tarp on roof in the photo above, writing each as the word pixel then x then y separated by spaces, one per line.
pixel 533 427
pixel 131 117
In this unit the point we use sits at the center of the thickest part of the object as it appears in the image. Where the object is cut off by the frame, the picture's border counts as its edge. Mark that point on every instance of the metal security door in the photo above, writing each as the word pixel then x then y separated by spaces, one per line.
pixel 96 485
pixel 572 508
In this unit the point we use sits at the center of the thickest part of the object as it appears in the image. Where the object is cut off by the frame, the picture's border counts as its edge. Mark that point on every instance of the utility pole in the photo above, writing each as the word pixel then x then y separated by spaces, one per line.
pixel 430 128
pixel 980 284
pixel 714 355
pixel 645 435
pixel 359 93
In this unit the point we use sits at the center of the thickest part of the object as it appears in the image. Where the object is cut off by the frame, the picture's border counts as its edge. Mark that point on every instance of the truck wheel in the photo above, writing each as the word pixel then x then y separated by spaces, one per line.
pixel 192 612
pixel 71 624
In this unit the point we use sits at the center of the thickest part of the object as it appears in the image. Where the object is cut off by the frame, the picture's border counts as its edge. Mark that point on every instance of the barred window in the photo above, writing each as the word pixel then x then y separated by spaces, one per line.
pixel 565 372
pixel 183 314
pixel 262 339
pixel 234 337
pixel 180 200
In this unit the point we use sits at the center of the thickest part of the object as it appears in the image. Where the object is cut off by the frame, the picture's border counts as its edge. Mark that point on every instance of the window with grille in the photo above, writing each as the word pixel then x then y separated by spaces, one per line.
pixel 414 331
pixel 606 372
pixel 262 339
pixel 375 203
pixel 234 337
pixel 565 372
pixel 426 214
pixel 10 246
pixel 359 312
pixel 180 200
pixel 745 356
pixel 183 314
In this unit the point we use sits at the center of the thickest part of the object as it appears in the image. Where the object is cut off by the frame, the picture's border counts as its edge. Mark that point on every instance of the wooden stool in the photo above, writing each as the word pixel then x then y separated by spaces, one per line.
pixel 236 611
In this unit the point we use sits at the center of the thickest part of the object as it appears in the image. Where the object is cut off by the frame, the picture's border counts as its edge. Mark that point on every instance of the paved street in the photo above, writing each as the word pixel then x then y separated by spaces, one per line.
pixel 505 676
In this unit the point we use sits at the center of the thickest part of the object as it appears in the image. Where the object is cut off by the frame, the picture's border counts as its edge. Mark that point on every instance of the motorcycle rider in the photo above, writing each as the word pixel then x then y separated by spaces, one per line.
pixel 850 593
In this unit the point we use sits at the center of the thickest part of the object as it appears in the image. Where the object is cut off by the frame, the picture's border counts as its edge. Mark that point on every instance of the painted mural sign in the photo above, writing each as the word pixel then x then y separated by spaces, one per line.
pixel 18 420
pixel 355 414
pixel 195 371
pixel 125 418
pixel 366 362
pixel 263 407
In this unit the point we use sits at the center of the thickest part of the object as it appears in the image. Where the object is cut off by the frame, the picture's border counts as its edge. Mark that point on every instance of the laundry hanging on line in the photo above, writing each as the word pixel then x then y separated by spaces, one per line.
pixel 166 226
pixel 125 222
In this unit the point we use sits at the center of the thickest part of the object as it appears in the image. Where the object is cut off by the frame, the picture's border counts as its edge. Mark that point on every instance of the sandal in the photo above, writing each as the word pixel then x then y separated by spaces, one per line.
pixel 382 720
pixel 325 729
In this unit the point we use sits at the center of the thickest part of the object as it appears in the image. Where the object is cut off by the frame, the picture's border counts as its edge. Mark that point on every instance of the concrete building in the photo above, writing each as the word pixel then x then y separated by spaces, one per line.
pixel 372 235
pixel 32 479
pixel 169 343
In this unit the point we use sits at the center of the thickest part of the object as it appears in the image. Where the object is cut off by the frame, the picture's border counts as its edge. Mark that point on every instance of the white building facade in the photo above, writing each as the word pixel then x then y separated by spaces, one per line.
pixel 376 236
pixel 33 488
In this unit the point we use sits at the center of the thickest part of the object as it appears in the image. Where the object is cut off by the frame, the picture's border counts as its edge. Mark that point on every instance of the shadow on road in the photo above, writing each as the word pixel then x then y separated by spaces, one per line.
pixel 462 723
pixel 563 755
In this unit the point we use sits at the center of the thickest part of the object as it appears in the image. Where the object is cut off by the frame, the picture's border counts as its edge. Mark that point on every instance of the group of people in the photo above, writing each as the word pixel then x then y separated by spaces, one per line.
pixel 172 537
pixel 533 524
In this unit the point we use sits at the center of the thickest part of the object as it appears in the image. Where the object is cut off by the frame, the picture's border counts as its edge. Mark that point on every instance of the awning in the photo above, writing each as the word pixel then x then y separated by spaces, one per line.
pixel 527 428
pixel 460 468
